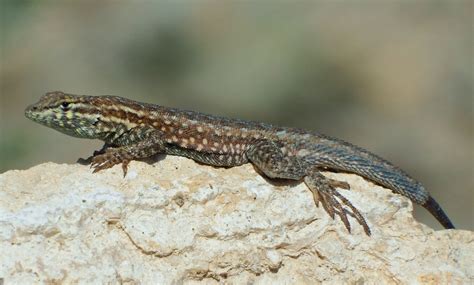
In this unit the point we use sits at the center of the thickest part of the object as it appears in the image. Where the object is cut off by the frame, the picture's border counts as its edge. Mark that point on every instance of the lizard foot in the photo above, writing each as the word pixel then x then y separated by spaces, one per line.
pixel 333 202
pixel 87 161
pixel 110 158
pixel 339 184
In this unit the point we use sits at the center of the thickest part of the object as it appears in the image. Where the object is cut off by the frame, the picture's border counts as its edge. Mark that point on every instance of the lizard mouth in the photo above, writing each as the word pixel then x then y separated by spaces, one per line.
pixel 30 111
pixel 34 113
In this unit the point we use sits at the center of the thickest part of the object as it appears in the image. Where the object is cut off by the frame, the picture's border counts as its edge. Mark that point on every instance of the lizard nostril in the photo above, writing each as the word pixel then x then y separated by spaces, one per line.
pixel 31 108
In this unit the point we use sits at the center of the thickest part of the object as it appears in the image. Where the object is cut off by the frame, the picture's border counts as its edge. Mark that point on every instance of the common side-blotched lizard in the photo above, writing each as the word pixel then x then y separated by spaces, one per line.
pixel 133 130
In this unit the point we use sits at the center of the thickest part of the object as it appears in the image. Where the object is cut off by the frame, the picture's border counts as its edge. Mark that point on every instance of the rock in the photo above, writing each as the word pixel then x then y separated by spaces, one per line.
pixel 176 221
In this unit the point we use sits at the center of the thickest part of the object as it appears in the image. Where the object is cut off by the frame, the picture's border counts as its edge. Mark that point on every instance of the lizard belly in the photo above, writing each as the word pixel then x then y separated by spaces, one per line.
pixel 214 159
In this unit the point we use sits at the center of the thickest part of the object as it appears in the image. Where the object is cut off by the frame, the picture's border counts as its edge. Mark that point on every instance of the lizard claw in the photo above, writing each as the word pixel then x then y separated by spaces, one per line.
pixel 125 167
pixel 339 184
pixel 108 159
pixel 333 202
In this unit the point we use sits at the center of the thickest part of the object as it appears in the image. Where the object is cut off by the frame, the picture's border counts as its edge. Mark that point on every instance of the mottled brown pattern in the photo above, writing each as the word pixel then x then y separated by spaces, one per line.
pixel 133 130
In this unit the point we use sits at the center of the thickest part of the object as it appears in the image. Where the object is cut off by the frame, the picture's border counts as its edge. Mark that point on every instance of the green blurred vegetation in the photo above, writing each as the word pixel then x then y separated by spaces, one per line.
pixel 394 77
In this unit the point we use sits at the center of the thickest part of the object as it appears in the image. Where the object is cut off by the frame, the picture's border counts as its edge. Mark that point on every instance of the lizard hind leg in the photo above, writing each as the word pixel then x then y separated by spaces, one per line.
pixel 269 158
pixel 339 184
pixel 333 202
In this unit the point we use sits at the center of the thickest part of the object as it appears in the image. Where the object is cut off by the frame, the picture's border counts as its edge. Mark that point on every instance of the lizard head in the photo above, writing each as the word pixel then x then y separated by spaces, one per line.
pixel 66 113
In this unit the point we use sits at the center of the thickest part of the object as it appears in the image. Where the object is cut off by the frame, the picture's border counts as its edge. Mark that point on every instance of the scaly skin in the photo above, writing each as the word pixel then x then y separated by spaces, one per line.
pixel 133 130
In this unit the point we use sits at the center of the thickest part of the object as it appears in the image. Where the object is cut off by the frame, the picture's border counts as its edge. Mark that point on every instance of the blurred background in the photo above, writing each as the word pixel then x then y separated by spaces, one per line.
pixel 395 77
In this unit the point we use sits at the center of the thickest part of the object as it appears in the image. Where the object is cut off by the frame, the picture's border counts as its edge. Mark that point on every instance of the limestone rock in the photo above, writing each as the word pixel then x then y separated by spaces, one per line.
pixel 175 221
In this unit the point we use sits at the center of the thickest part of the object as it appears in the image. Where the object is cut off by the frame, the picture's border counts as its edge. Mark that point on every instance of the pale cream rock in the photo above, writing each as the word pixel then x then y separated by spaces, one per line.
pixel 176 221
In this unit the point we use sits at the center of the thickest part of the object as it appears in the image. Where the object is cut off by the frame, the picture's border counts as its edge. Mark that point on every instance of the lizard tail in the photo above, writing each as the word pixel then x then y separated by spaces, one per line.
pixel 433 207
pixel 340 155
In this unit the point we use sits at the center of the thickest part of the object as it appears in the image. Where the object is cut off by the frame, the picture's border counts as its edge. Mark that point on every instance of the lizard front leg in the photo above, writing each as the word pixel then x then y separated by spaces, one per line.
pixel 269 158
pixel 147 144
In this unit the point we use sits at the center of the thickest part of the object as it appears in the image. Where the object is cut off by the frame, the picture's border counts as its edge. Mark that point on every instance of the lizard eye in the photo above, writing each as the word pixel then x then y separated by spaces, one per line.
pixel 64 106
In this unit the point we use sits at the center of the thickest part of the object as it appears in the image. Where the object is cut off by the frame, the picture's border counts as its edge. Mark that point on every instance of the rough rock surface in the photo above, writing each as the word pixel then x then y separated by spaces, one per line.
pixel 176 221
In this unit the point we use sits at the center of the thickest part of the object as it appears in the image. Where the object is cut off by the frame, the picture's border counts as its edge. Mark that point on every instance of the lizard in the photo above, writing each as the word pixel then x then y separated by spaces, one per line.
pixel 133 130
